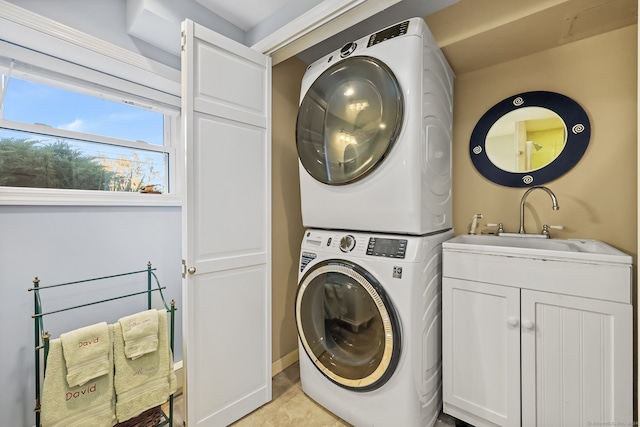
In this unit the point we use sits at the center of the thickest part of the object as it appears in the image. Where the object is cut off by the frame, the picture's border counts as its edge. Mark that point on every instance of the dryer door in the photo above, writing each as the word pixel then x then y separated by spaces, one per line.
pixel 347 325
pixel 348 120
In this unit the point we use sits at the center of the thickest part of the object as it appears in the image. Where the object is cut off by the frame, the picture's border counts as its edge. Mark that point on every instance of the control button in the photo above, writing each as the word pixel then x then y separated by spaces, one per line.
pixel 329 241
pixel 347 243
pixel 347 49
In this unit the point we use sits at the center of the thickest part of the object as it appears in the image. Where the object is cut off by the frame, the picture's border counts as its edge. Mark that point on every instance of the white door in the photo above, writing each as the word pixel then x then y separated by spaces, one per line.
pixel 481 352
pixel 226 106
pixel 576 361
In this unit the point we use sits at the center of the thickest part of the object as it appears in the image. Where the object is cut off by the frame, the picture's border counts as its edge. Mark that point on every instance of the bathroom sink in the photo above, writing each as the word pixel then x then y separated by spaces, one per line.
pixel 570 249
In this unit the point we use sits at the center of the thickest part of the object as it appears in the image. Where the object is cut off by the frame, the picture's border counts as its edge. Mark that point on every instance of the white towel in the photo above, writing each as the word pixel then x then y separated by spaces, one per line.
pixel 86 353
pixel 147 381
pixel 140 333
pixel 89 405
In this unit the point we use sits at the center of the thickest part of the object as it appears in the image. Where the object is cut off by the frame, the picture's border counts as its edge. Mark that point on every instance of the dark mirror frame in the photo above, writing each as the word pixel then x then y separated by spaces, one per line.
pixel 578 134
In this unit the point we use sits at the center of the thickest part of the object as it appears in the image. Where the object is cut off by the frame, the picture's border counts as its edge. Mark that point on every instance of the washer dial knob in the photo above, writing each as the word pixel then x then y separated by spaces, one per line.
pixel 347 243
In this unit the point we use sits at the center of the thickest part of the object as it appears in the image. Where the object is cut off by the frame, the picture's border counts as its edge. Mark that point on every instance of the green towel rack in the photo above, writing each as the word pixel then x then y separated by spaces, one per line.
pixel 42 337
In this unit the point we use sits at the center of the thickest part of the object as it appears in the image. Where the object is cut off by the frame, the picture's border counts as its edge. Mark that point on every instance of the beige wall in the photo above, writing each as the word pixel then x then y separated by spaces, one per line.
pixel 286 219
pixel 598 196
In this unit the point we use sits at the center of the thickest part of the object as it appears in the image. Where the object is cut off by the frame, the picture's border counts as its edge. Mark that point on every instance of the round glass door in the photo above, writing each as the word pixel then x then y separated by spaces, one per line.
pixel 349 120
pixel 347 325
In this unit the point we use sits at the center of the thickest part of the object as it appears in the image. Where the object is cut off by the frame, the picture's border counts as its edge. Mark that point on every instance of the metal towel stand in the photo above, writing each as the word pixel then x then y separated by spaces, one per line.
pixel 41 337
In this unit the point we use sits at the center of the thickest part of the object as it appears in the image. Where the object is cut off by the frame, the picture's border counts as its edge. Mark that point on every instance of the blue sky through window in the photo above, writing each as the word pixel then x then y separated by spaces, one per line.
pixel 30 102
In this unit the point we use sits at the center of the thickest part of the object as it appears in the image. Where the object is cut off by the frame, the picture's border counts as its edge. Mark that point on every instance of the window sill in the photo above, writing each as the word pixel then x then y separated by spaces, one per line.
pixel 13 196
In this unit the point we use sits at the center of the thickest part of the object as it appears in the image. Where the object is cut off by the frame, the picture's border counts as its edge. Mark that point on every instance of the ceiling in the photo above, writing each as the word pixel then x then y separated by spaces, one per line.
pixel 473 34
pixel 245 14
pixel 269 25
pixel 476 34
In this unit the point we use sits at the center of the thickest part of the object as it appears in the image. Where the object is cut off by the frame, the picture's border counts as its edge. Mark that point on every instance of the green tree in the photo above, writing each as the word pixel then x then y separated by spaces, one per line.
pixel 29 163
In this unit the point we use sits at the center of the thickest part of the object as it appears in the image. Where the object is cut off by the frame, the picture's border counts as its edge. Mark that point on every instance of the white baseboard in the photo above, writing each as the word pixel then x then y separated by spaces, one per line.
pixel 284 362
pixel 177 368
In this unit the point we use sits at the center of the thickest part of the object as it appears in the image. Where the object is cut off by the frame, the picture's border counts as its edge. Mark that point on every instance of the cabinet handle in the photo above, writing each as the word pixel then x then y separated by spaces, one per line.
pixel 513 321
pixel 527 324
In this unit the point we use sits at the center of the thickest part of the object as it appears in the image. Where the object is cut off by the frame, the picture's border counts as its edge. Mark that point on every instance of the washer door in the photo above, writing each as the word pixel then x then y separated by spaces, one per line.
pixel 347 325
pixel 348 120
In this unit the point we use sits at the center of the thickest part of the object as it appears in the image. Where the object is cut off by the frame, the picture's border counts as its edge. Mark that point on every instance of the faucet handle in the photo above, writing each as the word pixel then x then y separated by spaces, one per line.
pixel 474 223
pixel 545 229
pixel 499 225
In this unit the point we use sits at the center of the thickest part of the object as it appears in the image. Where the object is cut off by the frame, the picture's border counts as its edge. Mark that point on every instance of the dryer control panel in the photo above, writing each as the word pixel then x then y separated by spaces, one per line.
pixel 388 33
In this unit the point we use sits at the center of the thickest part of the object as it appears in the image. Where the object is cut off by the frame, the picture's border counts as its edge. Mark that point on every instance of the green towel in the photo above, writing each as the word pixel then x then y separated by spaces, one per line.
pixel 86 353
pixel 147 381
pixel 91 404
pixel 140 333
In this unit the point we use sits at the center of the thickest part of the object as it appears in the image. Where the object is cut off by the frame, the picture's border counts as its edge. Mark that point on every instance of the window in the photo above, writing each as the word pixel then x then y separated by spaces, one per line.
pixel 83 136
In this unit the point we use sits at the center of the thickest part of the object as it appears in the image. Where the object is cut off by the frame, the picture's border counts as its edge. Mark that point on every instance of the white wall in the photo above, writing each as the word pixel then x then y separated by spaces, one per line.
pixel 103 19
pixel 60 244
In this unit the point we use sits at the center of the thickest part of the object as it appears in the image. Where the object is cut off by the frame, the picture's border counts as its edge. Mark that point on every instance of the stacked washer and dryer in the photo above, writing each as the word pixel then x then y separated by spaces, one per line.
pixel 374 145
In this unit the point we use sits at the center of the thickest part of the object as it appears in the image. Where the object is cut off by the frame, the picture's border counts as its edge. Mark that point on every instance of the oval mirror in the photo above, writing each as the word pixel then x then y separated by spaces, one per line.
pixel 530 139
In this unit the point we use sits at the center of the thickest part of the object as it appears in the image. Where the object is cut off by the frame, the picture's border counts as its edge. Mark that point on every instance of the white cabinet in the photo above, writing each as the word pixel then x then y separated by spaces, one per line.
pixel 514 356
pixel 576 360
pixel 481 352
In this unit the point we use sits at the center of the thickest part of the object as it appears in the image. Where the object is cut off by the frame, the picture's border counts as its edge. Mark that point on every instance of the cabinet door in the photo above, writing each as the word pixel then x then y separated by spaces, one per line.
pixel 576 361
pixel 481 352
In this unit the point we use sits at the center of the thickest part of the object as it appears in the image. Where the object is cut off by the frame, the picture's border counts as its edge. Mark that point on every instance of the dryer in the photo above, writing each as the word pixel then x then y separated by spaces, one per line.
pixel 368 313
pixel 373 135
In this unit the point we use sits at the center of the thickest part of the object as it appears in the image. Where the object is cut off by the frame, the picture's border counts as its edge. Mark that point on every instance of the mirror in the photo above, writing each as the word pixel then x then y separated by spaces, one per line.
pixel 526 139
pixel 530 139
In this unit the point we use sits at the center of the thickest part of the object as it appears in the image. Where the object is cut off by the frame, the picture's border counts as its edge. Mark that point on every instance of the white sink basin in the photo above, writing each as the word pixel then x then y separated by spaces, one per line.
pixel 586 268
pixel 574 249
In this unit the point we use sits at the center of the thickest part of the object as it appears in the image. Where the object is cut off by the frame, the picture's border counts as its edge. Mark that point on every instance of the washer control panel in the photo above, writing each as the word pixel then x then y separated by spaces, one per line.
pixel 338 244
pixel 388 248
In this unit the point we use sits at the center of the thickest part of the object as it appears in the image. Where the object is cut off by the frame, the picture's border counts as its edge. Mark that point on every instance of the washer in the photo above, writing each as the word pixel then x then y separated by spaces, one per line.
pixel 373 135
pixel 368 312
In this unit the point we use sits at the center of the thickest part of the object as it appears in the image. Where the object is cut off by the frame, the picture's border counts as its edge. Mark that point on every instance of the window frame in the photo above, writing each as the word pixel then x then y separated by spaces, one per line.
pixel 56 196
pixel 92 66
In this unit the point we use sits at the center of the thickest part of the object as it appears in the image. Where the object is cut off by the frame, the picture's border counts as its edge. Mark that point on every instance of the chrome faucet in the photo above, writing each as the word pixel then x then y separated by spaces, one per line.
pixel 554 201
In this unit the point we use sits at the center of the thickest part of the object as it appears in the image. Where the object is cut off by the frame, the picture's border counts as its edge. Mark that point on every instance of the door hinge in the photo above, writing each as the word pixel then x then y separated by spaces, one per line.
pixel 183 40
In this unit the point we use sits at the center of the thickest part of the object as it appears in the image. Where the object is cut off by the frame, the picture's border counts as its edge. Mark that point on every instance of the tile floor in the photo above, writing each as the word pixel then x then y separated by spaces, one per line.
pixel 290 407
